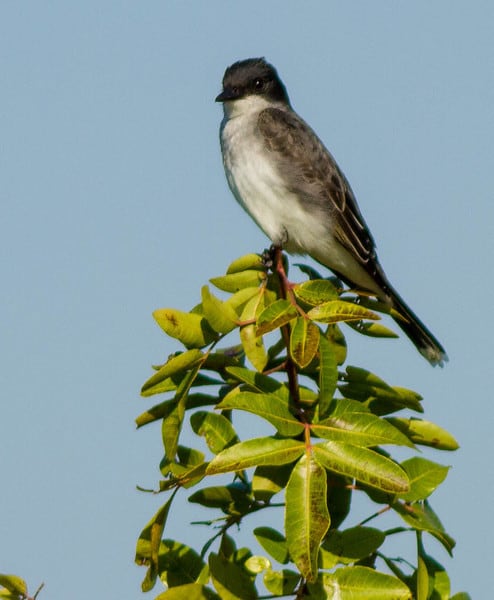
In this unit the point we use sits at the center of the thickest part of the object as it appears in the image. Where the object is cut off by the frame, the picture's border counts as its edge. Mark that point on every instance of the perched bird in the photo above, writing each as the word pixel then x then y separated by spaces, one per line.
pixel 287 181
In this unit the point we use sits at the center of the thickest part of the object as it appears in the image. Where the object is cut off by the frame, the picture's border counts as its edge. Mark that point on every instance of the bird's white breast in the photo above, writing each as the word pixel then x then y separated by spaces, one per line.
pixel 257 185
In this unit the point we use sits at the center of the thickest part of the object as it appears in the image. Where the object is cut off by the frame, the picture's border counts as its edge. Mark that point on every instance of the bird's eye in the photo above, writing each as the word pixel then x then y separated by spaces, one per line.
pixel 258 84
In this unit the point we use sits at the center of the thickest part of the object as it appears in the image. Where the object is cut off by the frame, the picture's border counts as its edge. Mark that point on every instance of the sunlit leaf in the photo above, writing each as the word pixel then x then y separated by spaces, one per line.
pixel 187 458
pixel 172 423
pixel 148 544
pixel 239 299
pixel 221 316
pixel 423 518
pixel 424 475
pixel 281 583
pixel 363 465
pixel 191 591
pixel 306 514
pixel 252 342
pixel 259 382
pixel 160 411
pixel 191 329
pixel 328 375
pixel 304 341
pixel 216 429
pixel 175 365
pixel 425 433
pixel 335 311
pixel 231 581
pixel 234 282
pixel 359 583
pixel 273 542
pixel 376 330
pixel 315 292
pixel 380 397
pixel 14 584
pixel 269 407
pixel 258 451
pixel 246 262
pixel 350 423
pixel 275 315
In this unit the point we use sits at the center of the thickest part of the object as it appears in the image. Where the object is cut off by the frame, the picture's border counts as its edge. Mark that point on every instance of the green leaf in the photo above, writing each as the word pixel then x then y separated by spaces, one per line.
pixel 148 544
pixel 259 382
pixel 425 433
pixel 186 479
pixel 269 480
pixel 231 581
pixel 337 341
pixel 253 343
pixel 172 423
pixel 431 578
pixel 351 423
pixel 176 364
pixel 306 514
pixel 423 518
pixel 316 292
pixel 244 263
pixel 281 583
pixel 424 475
pixel 359 583
pixel 275 315
pixel 362 464
pixel 13 584
pixel 216 429
pixel 269 407
pixel 258 451
pixel 188 458
pixel 219 315
pixel 178 564
pixel 160 411
pixel 191 591
pixel 335 311
pixel 257 564
pixel 328 375
pixel 239 299
pixel 380 397
pixel 233 499
pixel 376 330
pixel 304 341
pixel 353 544
pixel 234 282
pixel 339 499
pixel 273 542
pixel 191 329
pixel 422 580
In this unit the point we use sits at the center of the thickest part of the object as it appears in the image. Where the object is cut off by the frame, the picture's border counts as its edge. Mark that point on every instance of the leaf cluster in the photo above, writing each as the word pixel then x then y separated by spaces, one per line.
pixel 331 429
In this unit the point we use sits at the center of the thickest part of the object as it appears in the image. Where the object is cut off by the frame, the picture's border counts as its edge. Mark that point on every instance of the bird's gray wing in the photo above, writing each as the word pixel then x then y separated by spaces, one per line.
pixel 312 174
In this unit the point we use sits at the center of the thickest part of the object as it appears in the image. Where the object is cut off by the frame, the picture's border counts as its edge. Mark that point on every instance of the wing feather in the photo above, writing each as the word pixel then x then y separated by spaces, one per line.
pixel 312 173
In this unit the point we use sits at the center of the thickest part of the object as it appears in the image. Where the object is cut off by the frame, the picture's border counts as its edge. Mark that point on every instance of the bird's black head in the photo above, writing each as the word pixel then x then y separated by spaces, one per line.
pixel 253 76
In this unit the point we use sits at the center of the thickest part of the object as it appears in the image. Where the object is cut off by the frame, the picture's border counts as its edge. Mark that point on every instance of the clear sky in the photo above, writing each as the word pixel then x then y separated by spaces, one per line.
pixel 114 203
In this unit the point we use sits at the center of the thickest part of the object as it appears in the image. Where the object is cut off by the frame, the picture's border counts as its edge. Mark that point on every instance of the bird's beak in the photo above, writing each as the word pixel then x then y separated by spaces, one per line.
pixel 227 94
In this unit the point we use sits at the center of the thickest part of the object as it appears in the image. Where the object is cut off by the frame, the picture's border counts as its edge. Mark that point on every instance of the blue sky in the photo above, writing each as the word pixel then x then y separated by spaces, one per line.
pixel 114 203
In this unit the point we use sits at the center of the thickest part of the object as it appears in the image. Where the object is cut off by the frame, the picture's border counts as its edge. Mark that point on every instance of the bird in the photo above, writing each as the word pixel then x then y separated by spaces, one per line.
pixel 283 176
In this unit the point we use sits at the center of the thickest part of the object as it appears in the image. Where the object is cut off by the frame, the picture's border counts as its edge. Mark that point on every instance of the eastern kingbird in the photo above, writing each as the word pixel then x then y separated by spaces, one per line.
pixel 283 176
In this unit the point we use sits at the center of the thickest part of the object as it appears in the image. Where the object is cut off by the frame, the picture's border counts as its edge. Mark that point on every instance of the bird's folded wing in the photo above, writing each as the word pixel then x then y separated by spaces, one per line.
pixel 312 173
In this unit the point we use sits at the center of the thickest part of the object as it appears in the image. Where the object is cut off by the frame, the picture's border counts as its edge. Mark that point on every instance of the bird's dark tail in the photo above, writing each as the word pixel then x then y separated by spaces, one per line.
pixel 417 332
